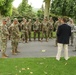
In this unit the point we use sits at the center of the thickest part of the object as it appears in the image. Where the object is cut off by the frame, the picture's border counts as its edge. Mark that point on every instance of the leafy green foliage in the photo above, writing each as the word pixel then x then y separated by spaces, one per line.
pixel 25 9
pixel 64 7
pixel 6 7
pixel 40 14
pixel 2 2
pixel 15 12
pixel 37 66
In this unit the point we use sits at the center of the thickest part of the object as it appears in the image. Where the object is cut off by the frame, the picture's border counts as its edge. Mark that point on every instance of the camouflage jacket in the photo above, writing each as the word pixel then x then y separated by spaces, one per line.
pixel 29 24
pixel 14 29
pixel 51 24
pixel 24 27
pixel 57 23
pixel 36 26
pixel 4 32
pixel 45 26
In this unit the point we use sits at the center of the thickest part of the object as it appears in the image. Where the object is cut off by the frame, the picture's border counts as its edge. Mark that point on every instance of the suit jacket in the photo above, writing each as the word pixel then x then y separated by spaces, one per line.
pixel 64 33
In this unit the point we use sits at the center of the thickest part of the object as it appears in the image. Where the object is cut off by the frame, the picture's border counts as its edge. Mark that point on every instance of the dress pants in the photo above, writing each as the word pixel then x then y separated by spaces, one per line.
pixel 60 47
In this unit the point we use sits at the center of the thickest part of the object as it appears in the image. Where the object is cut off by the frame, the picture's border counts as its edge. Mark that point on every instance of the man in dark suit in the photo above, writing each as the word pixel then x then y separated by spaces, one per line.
pixel 63 34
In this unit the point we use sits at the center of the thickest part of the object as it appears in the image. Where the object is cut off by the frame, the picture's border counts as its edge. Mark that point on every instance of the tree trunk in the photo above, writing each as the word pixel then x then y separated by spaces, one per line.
pixel 0 15
pixel 46 11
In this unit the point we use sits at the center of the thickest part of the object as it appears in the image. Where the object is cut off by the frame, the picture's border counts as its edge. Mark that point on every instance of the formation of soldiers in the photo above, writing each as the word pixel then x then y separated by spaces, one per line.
pixel 22 32
pixel 37 29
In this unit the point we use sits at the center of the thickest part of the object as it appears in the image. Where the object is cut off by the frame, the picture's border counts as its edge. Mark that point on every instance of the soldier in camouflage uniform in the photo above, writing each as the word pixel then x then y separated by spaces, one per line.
pixel 14 36
pixel 57 23
pixel 22 30
pixel 8 24
pixel 36 28
pixel 25 30
pixel 8 21
pixel 71 24
pixel 74 34
pixel 45 27
pixel 50 32
pixel 4 34
pixel 29 28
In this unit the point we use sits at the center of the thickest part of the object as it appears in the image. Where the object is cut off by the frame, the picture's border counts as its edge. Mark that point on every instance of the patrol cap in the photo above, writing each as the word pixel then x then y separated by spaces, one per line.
pixel 59 17
pixel 70 19
pixel 15 19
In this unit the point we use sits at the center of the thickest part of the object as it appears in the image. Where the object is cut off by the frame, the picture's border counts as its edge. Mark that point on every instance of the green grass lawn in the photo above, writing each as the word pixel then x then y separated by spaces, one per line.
pixel 32 34
pixel 37 66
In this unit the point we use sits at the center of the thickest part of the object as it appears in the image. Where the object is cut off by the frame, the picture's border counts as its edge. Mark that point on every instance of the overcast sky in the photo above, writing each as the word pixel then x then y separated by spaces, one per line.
pixel 34 3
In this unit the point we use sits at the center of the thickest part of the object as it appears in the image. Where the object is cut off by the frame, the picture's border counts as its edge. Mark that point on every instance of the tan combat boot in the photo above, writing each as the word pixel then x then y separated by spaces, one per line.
pixel 13 52
pixel 16 51
pixel 46 40
pixel 4 55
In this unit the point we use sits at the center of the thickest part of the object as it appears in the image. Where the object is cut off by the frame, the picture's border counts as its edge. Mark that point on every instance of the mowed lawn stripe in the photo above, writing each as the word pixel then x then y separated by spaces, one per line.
pixel 37 66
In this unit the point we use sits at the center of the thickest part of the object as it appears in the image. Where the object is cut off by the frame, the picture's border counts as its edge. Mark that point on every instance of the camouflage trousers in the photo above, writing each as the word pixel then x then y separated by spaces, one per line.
pixel 71 38
pixel 44 34
pixel 29 35
pixel 25 36
pixel 14 44
pixel 35 33
pixel 50 33
pixel 3 45
pixel 56 41
pixel 75 42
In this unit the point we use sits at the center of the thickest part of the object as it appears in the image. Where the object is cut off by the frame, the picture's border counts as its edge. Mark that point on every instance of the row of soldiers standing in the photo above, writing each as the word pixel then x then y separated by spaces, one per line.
pixel 12 31
pixel 39 29
pixel 23 30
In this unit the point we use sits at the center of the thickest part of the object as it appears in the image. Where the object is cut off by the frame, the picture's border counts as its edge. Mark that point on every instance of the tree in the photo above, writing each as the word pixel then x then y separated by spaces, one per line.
pixel 64 7
pixel 15 12
pixel 2 2
pixel 6 7
pixel 25 9
pixel 47 6
pixel 22 7
pixel 40 14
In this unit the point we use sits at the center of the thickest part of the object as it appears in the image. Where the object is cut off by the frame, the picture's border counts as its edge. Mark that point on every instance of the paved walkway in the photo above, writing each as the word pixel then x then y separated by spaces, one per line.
pixel 37 49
